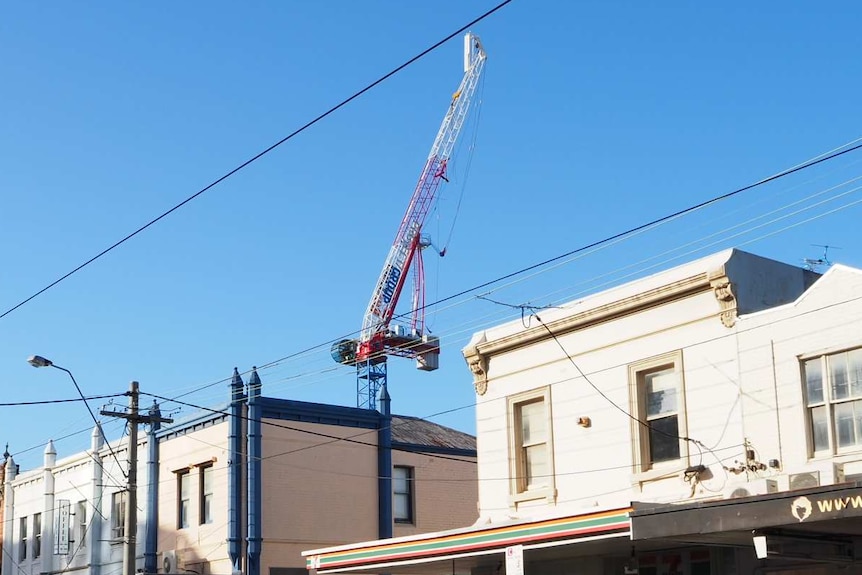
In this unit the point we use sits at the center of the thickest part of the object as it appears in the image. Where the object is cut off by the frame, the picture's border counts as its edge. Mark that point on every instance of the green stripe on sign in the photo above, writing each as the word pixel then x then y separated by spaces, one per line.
pixel 491 537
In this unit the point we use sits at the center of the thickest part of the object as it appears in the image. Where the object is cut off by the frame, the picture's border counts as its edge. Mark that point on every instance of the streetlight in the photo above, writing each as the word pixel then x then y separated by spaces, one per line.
pixel 39 361
pixel 134 419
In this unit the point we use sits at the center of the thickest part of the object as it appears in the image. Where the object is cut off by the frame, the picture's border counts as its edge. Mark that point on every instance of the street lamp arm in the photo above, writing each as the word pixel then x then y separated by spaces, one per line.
pixel 93 417
pixel 84 399
pixel 39 361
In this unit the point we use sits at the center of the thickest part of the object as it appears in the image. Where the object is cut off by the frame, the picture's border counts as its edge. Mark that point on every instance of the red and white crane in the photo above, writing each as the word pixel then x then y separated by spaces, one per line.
pixel 380 337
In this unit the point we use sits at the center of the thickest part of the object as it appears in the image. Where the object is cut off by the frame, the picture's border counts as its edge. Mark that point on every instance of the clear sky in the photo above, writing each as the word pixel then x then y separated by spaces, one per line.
pixel 596 117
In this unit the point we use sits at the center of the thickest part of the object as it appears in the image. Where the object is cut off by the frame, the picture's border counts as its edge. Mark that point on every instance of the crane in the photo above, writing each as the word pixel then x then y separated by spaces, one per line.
pixel 379 337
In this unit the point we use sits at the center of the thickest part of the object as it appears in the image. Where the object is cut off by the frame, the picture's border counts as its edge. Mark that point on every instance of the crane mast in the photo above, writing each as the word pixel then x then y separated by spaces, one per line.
pixel 379 338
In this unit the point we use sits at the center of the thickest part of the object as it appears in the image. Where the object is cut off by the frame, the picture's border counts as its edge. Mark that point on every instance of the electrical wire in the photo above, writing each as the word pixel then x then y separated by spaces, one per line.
pixel 699 445
pixel 523 308
pixel 472 325
pixel 51 401
pixel 334 438
pixel 607 368
pixel 720 460
pixel 604 396
pixel 94 456
pixel 797 168
pixel 336 368
pixel 259 155
pixel 800 166
pixel 662 257
pixel 12 559
pixel 430 479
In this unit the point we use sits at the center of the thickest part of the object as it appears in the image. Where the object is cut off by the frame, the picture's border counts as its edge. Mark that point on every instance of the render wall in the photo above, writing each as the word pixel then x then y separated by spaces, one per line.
pixel 200 548
pixel 73 481
pixel 826 320
pixel 593 465
pixel 741 383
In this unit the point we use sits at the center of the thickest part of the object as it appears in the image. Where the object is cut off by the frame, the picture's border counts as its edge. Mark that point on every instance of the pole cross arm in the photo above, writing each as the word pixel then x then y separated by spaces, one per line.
pixel 136 417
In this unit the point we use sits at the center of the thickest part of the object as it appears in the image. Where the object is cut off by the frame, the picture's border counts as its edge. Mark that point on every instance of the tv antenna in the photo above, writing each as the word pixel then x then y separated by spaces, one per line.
pixel 812 264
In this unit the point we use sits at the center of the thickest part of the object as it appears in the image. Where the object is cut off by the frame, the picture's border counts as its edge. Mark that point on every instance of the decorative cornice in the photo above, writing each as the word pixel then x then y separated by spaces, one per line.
pixel 477 354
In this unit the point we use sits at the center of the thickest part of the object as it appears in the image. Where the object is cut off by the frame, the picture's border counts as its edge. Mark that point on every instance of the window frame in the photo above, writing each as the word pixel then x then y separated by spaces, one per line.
pixel 118 515
pixel 22 539
pixel 643 467
pixel 182 516
pixel 81 523
pixel 410 495
pixel 204 471
pixel 828 402
pixel 519 491
pixel 37 535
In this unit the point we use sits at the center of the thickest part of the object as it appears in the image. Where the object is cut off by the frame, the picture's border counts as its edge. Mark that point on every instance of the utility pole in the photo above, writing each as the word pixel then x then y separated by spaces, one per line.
pixel 131 524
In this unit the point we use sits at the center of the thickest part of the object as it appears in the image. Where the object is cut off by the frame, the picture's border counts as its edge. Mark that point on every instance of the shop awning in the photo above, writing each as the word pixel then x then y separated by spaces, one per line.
pixel 471 546
pixel 818 524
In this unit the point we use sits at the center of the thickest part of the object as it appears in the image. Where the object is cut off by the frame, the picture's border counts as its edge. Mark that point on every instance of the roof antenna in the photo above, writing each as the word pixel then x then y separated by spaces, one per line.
pixel 812 264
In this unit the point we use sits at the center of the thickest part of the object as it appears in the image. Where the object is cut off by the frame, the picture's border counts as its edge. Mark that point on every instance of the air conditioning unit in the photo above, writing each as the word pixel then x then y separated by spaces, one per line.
pixel 169 562
pixel 760 486
pixel 825 474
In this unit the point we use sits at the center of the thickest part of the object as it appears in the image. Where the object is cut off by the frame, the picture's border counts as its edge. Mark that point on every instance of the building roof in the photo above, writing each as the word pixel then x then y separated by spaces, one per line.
pixel 416 431
pixel 407 432
pixel 755 283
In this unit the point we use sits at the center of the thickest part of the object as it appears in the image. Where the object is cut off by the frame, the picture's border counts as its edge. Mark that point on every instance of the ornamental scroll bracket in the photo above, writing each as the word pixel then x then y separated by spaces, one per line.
pixel 723 290
pixel 479 366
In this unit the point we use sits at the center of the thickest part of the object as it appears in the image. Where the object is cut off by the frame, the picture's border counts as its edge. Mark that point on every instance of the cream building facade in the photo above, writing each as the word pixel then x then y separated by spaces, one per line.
pixel 703 420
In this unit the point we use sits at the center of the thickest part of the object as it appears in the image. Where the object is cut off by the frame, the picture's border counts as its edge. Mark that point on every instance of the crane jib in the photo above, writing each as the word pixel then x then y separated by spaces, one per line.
pixel 377 338
pixel 391 284
pixel 391 279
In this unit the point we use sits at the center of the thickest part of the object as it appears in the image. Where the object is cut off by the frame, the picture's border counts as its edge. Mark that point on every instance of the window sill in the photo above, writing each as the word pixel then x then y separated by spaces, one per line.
pixel 116 541
pixel 404 522
pixel 664 471
pixel 549 494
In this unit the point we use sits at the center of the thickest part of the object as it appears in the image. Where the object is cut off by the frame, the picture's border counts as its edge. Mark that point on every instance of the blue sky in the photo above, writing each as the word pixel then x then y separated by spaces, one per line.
pixel 595 117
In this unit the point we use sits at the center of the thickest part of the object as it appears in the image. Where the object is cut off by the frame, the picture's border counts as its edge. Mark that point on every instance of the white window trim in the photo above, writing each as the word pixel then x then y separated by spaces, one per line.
pixel 80 532
pixel 828 402
pixel 23 539
pixel 185 473
pixel 517 493
pixel 202 494
pixel 411 496
pixel 642 469
pixel 37 536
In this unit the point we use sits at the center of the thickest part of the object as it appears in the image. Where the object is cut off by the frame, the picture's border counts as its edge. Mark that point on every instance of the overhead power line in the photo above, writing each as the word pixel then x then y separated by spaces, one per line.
pixel 72 400
pixel 841 150
pixel 798 168
pixel 819 159
pixel 334 438
pixel 259 155
pixel 199 388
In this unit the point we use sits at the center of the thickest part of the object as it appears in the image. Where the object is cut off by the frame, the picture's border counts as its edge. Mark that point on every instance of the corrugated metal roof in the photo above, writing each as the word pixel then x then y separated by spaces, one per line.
pixel 415 431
